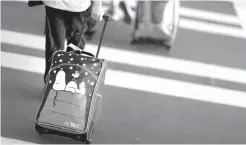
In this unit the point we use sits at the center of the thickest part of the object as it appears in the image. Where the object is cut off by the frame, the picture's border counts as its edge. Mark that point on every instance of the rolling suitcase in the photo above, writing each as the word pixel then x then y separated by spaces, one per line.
pixel 71 98
pixel 156 21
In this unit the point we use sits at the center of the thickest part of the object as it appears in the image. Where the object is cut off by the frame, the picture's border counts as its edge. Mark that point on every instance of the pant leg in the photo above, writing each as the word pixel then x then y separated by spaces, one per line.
pixel 55 34
pixel 77 26
pixel 124 5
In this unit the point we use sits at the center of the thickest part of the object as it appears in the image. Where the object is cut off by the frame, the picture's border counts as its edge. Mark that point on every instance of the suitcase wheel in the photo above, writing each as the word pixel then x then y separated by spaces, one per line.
pixel 40 129
pixel 87 142
pixel 167 46
pixel 90 136
pixel 134 40
pixel 139 40
pixel 82 138
pixel 78 137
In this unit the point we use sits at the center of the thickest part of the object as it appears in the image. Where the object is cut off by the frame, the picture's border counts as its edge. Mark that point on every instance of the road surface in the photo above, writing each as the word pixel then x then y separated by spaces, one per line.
pixel 196 93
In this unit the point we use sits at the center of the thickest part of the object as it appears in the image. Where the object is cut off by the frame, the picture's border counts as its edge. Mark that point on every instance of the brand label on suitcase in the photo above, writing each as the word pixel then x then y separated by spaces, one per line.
pixel 74 125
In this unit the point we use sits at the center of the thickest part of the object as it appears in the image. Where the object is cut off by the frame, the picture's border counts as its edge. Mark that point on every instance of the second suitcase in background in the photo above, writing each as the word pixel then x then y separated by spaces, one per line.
pixel 157 21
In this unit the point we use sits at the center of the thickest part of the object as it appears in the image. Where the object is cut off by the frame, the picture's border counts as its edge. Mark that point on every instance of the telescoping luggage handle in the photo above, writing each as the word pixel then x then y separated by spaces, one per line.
pixel 106 19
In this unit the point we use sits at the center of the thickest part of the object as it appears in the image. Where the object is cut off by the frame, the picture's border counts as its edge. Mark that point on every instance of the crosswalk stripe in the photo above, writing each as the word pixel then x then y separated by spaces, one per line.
pixel 138 59
pixel 195 25
pixel 208 15
pixel 240 7
pixel 202 14
pixel 141 82
pixel 11 141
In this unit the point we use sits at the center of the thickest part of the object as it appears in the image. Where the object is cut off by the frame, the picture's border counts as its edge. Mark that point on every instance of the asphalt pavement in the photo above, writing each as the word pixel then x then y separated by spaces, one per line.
pixel 194 93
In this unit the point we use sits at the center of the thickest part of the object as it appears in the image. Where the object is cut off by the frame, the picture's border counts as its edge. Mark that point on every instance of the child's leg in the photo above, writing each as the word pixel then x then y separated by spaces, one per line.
pixel 55 34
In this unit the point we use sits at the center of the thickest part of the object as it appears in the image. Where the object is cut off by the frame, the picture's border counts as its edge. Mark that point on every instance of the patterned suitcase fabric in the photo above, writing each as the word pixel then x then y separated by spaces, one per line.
pixel 73 81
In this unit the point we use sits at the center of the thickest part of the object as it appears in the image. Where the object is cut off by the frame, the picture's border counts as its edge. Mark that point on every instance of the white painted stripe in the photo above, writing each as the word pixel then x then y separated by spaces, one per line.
pixel 208 27
pixel 23 62
pixel 217 29
pixel 208 15
pixel 202 14
pixel 11 141
pixel 139 59
pixel 240 7
pixel 142 82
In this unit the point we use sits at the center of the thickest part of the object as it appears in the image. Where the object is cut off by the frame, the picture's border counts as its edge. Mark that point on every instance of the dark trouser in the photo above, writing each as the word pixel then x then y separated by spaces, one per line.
pixel 62 25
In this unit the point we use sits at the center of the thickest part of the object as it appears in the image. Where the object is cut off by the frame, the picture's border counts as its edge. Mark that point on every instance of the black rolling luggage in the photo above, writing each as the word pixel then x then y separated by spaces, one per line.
pixel 72 96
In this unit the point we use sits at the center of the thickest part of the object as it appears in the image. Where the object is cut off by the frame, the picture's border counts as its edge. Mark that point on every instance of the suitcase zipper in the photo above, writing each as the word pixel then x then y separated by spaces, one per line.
pixel 69 64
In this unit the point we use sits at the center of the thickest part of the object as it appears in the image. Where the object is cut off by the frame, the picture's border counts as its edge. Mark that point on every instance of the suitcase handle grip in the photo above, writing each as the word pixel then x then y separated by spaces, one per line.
pixel 32 3
pixel 106 19
pixel 83 52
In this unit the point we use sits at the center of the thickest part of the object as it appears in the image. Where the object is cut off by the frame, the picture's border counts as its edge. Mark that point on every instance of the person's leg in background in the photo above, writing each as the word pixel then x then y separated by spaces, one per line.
pixel 123 6
pixel 128 12
pixel 55 34
pixel 114 10
pixel 111 10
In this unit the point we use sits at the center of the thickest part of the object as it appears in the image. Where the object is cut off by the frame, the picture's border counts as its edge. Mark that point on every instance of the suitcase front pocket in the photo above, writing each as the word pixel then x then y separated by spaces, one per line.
pixel 58 120
pixel 65 108
pixel 63 111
